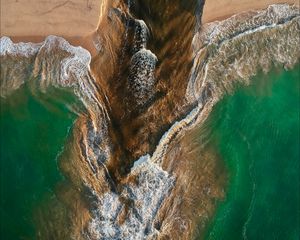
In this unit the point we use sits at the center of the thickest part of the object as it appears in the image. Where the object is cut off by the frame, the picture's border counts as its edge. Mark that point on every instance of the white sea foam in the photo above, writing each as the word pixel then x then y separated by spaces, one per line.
pixel 7 47
pixel 138 210
pixel 58 64
pixel 141 35
pixel 216 44
pixel 141 160
pixel 204 89
pixel 131 214
pixel 48 58
pixel 141 80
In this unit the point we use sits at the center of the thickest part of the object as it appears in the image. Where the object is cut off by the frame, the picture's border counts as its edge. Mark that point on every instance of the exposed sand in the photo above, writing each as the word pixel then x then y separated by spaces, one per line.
pixel 76 20
pixel 221 9
pixel 45 17
pixel 33 20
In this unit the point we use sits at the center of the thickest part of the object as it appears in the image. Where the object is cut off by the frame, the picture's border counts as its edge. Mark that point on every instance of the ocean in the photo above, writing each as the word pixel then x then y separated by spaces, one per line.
pixel 256 131
pixel 33 131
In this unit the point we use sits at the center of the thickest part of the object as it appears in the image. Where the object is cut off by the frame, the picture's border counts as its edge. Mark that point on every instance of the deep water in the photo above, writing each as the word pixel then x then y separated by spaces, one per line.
pixel 256 131
pixel 33 130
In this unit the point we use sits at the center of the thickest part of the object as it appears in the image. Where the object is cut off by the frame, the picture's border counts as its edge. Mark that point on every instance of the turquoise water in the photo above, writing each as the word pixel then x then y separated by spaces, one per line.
pixel 256 131
pixel 33 131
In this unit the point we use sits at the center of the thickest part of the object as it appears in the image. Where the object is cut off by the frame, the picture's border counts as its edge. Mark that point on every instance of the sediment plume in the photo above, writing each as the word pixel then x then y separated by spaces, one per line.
pixel 128 161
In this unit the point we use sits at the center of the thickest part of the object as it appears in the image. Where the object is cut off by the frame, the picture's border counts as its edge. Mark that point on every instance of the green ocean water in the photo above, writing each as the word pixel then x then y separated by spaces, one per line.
pixel 33 130
pixel 256 131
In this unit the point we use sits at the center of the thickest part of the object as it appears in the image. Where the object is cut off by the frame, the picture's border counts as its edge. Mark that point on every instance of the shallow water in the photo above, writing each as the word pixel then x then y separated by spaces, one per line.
pixel 33 131
pixel 256 131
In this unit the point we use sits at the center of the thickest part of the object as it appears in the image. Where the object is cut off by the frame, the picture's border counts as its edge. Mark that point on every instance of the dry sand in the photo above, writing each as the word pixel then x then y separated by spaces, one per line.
pixel 76 20
pixel 221 9
pixel 33 20
pixel 45 17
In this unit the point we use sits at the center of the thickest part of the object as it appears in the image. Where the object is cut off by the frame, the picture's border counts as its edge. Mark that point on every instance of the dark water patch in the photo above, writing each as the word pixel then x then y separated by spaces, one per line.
pixel 256 131
pixel 33 130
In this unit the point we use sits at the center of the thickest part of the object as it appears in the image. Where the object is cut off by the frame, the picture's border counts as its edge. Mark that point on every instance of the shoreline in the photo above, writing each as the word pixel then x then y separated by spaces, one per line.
pixel 84 42
pixel 218 10
pixel 205 88
pixel 211 13
pixel 29 21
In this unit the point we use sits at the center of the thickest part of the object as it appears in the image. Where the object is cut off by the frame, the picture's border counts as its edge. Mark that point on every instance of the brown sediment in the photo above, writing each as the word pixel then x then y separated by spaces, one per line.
pixel 119 126
pixel 80 22
pixel 200 184
pixel 64 216
pixel 140 127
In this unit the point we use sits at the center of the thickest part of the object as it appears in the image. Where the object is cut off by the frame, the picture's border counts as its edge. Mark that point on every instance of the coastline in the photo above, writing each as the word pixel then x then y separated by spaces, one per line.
pixel 203 90
pixel 86 42
pixel 218 10
pixel 85 37
pixel 31 21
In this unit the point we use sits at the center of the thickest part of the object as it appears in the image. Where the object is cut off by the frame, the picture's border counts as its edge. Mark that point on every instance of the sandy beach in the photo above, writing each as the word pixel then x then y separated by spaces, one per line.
pixel 76 20
pixel 140 160
pixel 33 21
pixel 45 17
pixel 221 9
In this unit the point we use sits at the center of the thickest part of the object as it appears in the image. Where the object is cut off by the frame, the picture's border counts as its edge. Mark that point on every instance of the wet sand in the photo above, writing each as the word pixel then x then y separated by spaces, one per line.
pixel 131 134
pixel 222 9
pixel 32 21
pixel 77 20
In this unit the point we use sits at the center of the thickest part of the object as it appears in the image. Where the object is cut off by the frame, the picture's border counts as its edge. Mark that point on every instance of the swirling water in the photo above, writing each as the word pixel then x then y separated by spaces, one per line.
pixel 33 131
pixel 256 131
